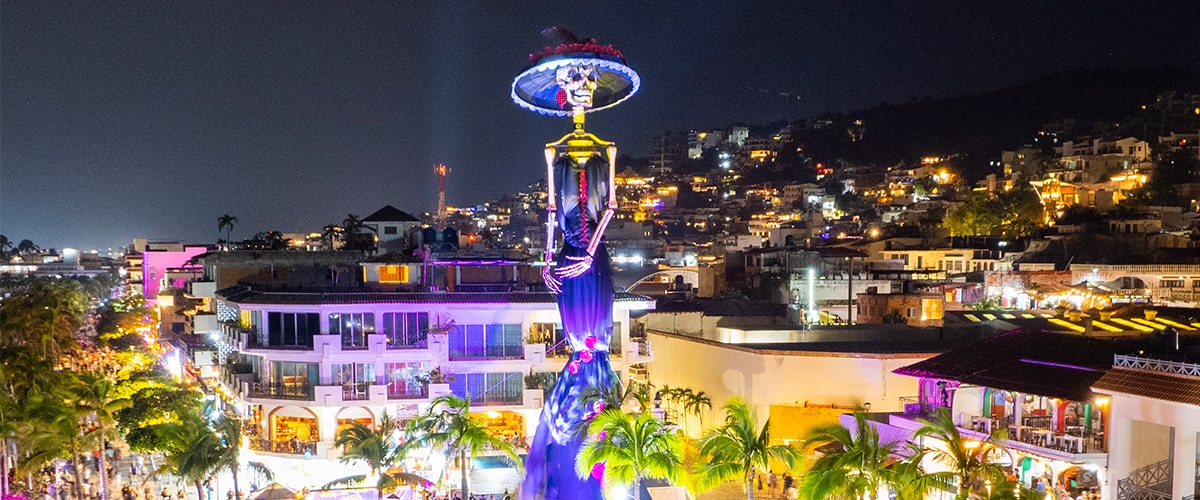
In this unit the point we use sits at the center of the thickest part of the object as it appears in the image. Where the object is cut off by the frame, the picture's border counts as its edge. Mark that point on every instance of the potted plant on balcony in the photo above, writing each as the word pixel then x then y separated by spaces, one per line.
pixel 437 381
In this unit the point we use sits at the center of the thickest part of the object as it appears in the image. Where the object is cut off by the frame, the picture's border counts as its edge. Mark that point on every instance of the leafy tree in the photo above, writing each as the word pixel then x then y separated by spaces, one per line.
pixel 43 315
pixel 447 424
pixel 966 459
pixel 925 186
pixel 156 400
pixel 376 446
pixel 1170 171
pixel 860 465
pixel 735 450
pixel 26 247
pixel 632 448
pixel 1013 214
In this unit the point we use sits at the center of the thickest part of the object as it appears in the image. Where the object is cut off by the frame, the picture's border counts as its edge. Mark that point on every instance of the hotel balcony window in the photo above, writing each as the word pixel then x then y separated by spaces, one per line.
pixel 496 341
pixel 403 380
pixel 354 378
pixel 405 330
pixel 353 327
pixel 292 329
pixel 293 380
pixel 489 389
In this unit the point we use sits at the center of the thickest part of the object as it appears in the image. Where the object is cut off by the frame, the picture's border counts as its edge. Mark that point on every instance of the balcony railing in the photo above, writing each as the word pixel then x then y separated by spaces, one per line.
pixel 289 447
pixel 1190 369
pixel 410 391
pixel 356 392
pixel 281 391
pixel 420 344
pixel 355 343
pixel 252 342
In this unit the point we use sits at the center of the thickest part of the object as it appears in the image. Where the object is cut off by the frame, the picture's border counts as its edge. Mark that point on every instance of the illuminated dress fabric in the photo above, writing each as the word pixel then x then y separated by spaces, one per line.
pixel 585 305
pixel 571 79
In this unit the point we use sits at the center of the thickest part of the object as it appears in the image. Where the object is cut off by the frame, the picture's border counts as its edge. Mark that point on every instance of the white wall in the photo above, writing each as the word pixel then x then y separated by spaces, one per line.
pixel 1126 452
pixel 723 371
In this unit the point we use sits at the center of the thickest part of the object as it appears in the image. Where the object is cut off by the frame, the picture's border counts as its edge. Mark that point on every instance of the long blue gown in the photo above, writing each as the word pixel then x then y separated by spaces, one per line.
pixel 585 305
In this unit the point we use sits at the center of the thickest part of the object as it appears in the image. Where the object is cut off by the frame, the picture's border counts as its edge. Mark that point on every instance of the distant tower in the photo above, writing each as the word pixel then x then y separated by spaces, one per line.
pixel 441 169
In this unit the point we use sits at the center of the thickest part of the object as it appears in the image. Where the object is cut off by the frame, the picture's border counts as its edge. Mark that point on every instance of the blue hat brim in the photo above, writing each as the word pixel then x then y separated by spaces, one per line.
pixel 535 89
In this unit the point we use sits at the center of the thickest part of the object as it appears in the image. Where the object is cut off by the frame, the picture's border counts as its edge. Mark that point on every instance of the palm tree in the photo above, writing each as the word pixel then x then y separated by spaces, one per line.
pixel 355 238
pixel 331 233
pixel 695 403
pixel 225 223
pixel 967 459
pixel 376 446
pixel 96 400
pixel 229 429
pixel 44 315
pixel 739 447
pixel 447 424
pixel 193 450
pixel 632 447
pixel 859 466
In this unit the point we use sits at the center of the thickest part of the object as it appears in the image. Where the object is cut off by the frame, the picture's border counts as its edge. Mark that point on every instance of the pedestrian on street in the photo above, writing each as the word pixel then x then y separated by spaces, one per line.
pixel 771 483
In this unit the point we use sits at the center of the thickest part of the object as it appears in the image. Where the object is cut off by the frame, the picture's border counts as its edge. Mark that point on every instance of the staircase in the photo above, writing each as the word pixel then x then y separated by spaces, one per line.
pixel 1152 482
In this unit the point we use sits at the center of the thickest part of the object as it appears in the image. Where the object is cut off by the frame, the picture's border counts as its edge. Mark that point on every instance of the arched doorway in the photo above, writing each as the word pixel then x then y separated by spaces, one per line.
pixel 353 414
pixel 293 430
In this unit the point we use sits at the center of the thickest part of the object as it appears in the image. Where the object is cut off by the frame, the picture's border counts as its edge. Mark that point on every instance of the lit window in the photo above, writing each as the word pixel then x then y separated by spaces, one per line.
pixel 393 274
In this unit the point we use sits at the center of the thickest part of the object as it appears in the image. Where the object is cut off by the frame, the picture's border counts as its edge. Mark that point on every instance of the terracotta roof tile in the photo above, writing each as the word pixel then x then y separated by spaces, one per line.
pixel 1157 385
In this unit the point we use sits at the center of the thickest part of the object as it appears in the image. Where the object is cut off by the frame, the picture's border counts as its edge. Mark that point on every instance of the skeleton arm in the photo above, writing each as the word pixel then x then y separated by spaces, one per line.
pixel 611 208
pixel 548 277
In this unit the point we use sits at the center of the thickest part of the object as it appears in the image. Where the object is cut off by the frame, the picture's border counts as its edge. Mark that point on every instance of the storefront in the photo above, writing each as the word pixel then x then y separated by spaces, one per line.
pixel 507 426
pixel 350 415
pixel 293 430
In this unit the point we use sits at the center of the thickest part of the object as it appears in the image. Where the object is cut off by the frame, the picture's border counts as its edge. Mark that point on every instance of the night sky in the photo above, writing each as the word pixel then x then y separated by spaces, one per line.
pixel 151 119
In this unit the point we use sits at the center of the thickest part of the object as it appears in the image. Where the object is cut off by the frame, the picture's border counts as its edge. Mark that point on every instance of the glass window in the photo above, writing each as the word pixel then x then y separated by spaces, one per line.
pixel 402 379
pixel 353 373
pixel 353 327
pixel 292 329
pixel 405 330
pixel 487 342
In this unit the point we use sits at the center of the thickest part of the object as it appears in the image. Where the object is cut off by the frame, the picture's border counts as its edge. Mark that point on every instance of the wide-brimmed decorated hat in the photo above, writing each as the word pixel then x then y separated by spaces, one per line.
pixel 580 75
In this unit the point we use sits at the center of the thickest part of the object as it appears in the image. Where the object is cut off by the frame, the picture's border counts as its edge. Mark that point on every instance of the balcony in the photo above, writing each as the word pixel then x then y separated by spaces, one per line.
pixel 252 342
pixel 258 443
pixel 356 392
pixel 397 345
pixel 408 391
pixel 287 392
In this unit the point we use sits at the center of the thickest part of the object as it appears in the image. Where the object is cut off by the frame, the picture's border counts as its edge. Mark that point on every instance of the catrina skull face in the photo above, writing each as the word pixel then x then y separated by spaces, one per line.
pixel 576 84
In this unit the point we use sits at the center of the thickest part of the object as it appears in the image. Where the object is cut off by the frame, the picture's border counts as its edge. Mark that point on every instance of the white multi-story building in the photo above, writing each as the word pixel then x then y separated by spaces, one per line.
pixel 311 361
pixel 1155 427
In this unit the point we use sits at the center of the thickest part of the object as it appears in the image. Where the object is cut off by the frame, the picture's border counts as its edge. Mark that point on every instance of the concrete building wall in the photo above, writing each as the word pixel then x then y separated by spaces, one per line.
pixel 1148 430
pixel 723 371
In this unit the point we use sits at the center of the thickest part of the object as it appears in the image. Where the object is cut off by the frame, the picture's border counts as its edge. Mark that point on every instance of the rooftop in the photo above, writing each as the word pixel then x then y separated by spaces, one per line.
pixel 1151 378
pixel 1043 363
pixel 249 295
